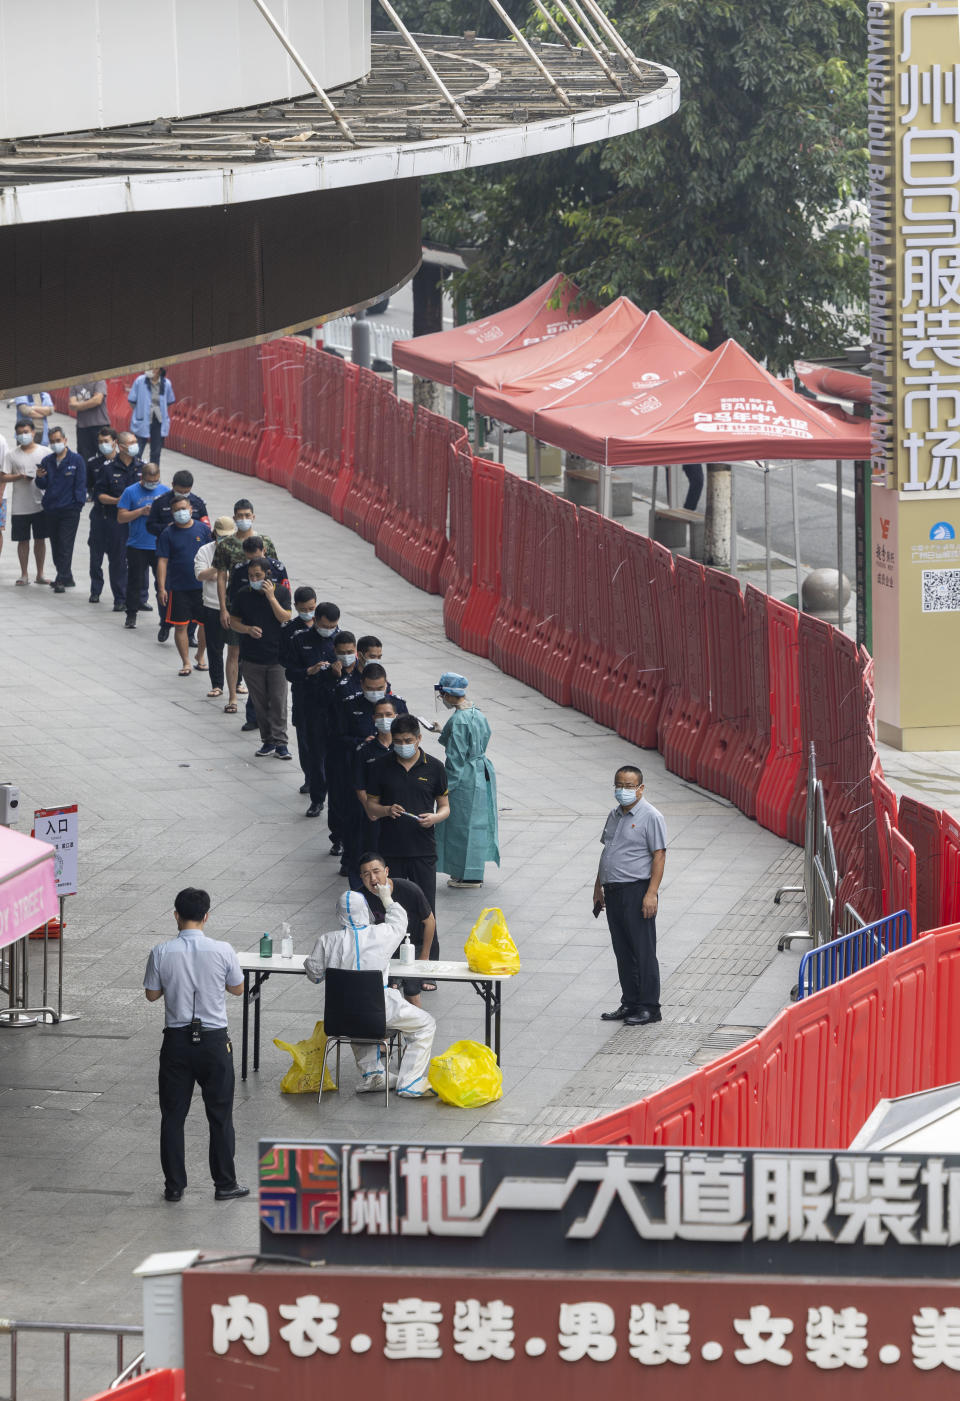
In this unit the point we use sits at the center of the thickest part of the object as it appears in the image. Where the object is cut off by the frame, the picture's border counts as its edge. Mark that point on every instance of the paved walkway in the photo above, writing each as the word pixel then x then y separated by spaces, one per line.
pixel 170 795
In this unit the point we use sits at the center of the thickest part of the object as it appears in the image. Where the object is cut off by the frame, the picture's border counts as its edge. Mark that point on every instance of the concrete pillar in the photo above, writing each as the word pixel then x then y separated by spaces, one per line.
pixel 716 533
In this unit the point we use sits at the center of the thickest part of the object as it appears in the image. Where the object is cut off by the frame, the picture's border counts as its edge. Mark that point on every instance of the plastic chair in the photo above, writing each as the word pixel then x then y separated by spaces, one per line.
pixel 355 1011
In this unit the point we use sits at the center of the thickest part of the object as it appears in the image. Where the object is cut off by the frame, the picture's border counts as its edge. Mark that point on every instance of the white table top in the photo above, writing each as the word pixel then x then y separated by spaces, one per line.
pixel 441 970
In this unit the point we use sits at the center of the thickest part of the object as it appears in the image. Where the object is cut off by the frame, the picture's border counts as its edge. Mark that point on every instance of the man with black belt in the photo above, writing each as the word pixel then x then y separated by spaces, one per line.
pixel 631 869
pixel 192 972
pixel 407 790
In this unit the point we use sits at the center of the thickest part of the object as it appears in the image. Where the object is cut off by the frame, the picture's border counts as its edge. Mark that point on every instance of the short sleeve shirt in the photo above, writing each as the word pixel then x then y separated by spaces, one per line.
pixel 25 500
pixel 193 972
pixel 629 841
pixel 416 790
pixel 97 417
pixel 178 545
pixel 131 499
pixel 253 608
pixel 408 894
pixel 229 550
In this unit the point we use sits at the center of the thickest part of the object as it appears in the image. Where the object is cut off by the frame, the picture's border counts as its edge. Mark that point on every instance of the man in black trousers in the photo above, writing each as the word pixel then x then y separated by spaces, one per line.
pixel 628 881
pixel 192 973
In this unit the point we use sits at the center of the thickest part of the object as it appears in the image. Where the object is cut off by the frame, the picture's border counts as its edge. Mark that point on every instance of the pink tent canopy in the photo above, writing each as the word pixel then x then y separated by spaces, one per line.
pixel 841 384
pixel 651 354
pixel 726 409
pixel 28 888
pixel 533 319
pixel 522 369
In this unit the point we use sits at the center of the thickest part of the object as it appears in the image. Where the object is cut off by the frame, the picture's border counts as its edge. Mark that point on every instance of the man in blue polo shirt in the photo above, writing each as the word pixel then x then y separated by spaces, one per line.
pixel 133 508
pixel 62 479
pixel 177 588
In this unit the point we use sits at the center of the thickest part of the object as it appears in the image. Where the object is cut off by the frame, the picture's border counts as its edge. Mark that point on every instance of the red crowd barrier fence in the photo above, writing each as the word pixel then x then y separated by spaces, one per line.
pixel 483 601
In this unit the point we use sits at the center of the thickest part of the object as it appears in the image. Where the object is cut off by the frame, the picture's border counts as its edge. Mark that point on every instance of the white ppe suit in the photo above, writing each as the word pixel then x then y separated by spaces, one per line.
pixel 360 944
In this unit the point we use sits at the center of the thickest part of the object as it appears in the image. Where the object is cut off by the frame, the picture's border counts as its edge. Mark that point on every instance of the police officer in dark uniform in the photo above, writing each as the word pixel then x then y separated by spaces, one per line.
pixel 341 684
pixel 407 792
pixel 192 973
pixel 115 470
pixel 310 653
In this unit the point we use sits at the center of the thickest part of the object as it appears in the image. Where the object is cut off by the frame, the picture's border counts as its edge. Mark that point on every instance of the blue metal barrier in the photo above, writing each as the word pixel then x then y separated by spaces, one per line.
pixel 830 963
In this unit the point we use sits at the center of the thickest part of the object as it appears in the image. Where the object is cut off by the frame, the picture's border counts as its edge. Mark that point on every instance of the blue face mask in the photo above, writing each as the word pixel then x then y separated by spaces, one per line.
pixel 256 583
pixel 626 797
pixel 306 616
pixel 181 517
pixel 405 751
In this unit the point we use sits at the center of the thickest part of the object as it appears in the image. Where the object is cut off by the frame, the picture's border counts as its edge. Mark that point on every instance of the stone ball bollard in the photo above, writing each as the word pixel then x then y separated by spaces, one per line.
pixel 819 594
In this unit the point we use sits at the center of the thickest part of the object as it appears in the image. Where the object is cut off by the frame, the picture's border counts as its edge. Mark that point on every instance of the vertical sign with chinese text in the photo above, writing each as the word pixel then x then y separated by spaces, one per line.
pixel 58 826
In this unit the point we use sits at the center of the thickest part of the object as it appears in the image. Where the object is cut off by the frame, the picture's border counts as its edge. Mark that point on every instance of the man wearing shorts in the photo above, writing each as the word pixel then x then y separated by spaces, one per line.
pixel 26 505
pixel 178 591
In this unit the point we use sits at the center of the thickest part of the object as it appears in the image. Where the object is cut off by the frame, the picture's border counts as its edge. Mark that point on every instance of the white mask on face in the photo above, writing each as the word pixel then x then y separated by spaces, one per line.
pixel 24 439
pixel 59 446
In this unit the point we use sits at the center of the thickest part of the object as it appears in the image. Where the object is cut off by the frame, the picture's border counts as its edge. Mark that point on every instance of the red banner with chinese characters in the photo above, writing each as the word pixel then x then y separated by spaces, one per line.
pixel 271 1333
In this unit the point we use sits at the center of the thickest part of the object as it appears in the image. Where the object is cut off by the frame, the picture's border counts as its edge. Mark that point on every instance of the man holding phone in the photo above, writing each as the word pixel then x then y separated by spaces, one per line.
pixel 627 886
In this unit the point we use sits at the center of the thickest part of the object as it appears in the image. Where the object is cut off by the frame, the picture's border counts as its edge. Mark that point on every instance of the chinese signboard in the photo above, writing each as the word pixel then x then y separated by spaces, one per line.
pixel 914 145
pixel 58 826
pixel 589 1208
pixel 301 1334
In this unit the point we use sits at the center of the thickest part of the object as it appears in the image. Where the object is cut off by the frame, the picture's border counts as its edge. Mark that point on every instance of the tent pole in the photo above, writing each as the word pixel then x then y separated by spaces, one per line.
pixel 605 490
pixel 652 525
pixel 766 521
pixel 840 544
pixel 733 519
pixel 500 443
pixel 536 460
pixel 796 526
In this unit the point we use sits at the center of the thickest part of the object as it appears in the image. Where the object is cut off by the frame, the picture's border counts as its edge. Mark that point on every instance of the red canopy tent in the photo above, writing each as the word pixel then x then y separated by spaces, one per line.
pixel 522 369
pixel 651 354
pixel 840 384
pixel 533 319
pixel 726 409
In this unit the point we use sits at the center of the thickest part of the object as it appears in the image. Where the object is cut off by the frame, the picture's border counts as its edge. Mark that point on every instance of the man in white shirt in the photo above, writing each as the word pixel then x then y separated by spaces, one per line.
pixel 26 503
pixel 4 449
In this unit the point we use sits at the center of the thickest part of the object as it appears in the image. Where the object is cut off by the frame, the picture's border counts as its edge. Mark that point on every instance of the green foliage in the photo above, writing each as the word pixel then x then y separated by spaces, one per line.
pixel 731 217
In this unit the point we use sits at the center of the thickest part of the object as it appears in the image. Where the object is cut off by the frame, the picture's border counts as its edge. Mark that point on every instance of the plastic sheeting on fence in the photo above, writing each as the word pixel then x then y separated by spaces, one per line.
pixel 812 1077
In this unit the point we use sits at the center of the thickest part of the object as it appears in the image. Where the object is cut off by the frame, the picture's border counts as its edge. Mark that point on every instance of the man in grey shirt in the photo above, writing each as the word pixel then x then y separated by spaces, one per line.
pixel 193 973
pixel 628 880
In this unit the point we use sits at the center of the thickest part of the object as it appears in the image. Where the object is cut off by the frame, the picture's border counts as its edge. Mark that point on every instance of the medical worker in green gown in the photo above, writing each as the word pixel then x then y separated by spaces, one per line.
pixel 468 839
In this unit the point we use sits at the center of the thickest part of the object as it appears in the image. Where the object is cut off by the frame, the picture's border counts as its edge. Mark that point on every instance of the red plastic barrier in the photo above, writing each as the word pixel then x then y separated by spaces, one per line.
pixel 283 365
pixel 618 600
pixel 328 395
pixel 164 1385
pixel 483 602
pixel 949 869
pixel 729 683
pixel 921 826
pixel 785 759
pixel 903 875
pixel 818 717
pixel 884 807
pixel 640 702
pixel 457 573
pixel 754 748
pixel 591 681
pixel 512 618
pixel 668 628
pixel 413 535
pixel 682 735
pixel 812 1077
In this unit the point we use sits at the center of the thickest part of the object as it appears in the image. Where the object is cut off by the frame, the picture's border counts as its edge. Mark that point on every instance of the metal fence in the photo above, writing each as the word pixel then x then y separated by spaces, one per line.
pixel 15 1328
pixel 820 875
pixel 831 963
pixel 337 335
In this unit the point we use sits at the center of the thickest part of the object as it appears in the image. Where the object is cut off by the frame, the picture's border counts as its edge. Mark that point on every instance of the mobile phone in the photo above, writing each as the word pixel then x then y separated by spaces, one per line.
pixel 598 906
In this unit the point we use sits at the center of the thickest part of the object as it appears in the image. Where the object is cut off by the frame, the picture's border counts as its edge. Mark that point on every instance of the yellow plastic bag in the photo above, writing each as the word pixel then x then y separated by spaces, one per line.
pixel 303 1077
pixel 489 948
pixel 467 1075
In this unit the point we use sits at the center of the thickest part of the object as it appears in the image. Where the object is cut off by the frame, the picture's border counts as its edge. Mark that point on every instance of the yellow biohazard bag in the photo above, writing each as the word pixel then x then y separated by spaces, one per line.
pixel 303 1077
pixel 466 1075
pixel 489 948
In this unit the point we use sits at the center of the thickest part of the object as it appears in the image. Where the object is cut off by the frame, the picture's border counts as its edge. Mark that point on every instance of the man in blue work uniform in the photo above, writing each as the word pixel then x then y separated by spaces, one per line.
pixel 62 478
pixel 192 973
pixel 161 514
pixel 133 508
pixel 309 652
pixel 627 887
pixel 118 469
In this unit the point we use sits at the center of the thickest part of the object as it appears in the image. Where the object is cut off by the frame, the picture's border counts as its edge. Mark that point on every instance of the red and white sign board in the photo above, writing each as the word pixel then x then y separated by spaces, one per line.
pixel 58 826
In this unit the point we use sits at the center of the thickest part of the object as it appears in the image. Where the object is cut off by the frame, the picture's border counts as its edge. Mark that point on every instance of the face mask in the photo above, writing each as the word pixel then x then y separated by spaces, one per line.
pixel 347 658
pixel 375 695
pixel 383 723
pixel 405 751
pixel 242 523
pixel 626 797
pixel 306 616
pixel 59 447
pixel 326 632
pixel 181 517
pixel 107 449
pixel 148 486
pixel 256 583
pixel 130 449
pixel 24 439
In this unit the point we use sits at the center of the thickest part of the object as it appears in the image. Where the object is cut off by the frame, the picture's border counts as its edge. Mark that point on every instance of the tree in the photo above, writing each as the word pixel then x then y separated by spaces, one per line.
pixel 735 217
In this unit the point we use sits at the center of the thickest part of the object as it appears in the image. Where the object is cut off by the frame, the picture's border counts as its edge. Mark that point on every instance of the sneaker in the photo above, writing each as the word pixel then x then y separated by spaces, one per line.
pixel 264 750
pixel 119 607
pixel 144 607
pixel 58 588
pixel 249 725
pixel 335 848
pixel 315 809
pixel 131 621
pixel 282 752
pixel 94 597
pixel 69 583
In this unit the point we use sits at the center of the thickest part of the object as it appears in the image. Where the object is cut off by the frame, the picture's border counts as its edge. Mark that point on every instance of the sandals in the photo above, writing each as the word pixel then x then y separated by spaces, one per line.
pixel 200 666
pixel 217 691
pixel 241 689
pixel 230 708
pixel 428 987
pixel 184 671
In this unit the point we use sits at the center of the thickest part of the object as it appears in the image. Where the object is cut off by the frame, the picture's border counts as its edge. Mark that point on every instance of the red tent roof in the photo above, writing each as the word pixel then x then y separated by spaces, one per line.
pixel 515 369
pixel 726 409
pixel 433 357
pixel 841 384
pixel 651 354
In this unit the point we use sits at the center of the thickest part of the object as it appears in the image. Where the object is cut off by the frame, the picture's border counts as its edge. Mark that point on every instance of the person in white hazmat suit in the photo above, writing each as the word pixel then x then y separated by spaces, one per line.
pixel 358 943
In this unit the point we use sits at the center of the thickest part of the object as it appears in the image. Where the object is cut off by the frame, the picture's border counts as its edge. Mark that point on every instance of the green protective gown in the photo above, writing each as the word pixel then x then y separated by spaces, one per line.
pixel 468 838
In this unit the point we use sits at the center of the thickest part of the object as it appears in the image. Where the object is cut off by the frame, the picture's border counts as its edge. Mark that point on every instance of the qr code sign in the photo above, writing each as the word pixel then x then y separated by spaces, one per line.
pixel 940 590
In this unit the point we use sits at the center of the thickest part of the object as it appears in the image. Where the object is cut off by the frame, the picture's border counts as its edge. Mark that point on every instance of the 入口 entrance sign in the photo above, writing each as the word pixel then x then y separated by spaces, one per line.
pixel 58 826
pixel 597 1208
